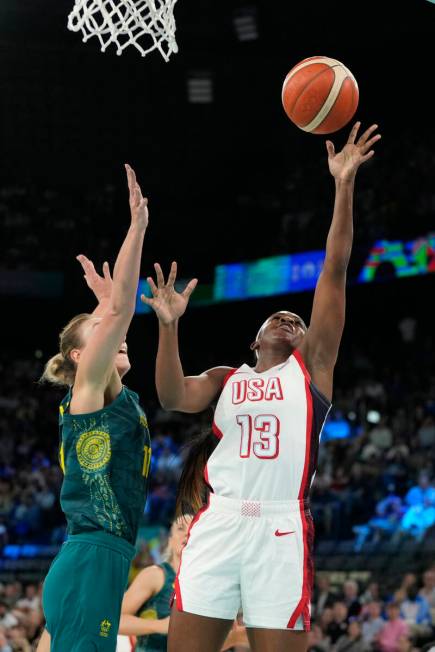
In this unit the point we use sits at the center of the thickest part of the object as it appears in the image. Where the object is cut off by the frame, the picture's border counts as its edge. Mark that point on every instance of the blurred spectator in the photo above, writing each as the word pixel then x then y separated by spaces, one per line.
pixel 338 625
pixel 393 630
pixel 351 600
pixel 373 622
pixel 317 641
pixel 389 512
pixel 428 589
pixel 4 645
pixel 353 640
pixel 420 514
pixel 426 432
pixel 371 594
pixel 416 613
pixel 323 597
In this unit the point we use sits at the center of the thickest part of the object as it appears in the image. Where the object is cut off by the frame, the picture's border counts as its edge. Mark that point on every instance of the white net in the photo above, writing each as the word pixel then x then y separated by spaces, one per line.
pixel 145 24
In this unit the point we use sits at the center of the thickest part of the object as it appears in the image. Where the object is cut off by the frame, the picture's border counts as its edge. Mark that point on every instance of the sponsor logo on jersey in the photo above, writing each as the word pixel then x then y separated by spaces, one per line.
pixel 105 628
pixel 282 534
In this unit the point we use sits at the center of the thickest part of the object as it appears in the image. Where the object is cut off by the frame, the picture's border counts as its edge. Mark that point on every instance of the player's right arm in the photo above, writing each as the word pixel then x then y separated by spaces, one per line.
pixel 148 583
pixel 175 390
pixel 96 361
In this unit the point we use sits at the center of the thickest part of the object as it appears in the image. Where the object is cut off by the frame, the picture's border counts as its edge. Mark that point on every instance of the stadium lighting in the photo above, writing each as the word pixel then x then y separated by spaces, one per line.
pixel 245 23
pixel 373 416
pixel 200 87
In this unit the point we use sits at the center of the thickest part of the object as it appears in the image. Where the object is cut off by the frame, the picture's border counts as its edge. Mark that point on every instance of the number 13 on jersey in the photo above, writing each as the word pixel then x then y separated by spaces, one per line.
pixel 260 435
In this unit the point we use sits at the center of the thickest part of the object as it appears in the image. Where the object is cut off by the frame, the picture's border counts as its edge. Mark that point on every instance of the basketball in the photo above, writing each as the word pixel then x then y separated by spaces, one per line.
pixel 320 95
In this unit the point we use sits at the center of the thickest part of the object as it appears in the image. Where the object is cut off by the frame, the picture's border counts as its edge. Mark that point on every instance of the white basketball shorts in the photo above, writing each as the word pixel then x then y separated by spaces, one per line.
pixel 250 556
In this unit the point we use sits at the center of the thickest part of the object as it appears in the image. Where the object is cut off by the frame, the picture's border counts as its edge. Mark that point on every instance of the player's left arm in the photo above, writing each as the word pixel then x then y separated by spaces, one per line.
pixel 101 286
pixel 148 583
pixel 321 343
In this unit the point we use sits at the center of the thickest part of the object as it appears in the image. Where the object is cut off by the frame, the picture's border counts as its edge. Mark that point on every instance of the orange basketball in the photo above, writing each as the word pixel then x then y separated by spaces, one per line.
pixel 320 95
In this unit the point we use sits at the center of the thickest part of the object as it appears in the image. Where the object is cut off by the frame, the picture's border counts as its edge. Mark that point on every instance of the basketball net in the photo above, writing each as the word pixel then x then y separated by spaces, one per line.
pixel 145 24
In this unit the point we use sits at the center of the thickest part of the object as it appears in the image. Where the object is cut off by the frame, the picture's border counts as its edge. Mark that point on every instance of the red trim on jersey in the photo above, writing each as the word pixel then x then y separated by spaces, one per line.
pixel 301 363
pixel 302 608
pixel 228 376
pixel 177 591
pixel 219 434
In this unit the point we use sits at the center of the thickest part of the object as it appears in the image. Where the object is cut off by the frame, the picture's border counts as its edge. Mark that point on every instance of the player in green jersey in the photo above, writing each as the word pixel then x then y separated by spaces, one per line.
pixel 146 605
pixel 105 455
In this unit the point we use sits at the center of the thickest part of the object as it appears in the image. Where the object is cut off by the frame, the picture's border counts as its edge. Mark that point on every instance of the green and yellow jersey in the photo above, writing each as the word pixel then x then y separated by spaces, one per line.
pixel 157 607
pixel 105 456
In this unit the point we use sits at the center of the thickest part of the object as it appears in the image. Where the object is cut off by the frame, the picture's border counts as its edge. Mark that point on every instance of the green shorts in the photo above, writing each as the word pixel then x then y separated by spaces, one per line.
pixel 83 592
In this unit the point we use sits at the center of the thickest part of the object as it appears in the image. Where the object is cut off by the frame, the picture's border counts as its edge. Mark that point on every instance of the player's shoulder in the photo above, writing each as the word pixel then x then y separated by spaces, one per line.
pixel 219 374
pixel 153 575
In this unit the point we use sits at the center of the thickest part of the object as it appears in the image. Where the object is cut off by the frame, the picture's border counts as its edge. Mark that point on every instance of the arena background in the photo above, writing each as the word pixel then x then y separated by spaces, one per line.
pixel 229 179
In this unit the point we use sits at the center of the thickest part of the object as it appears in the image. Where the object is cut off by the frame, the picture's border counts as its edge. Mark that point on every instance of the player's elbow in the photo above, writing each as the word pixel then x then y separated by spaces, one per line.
pixel 168 403
pixel 121 308
pixel 336 266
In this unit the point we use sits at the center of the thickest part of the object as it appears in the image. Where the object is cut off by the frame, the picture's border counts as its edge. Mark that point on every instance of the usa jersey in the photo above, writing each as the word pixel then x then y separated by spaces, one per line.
pixel 269 425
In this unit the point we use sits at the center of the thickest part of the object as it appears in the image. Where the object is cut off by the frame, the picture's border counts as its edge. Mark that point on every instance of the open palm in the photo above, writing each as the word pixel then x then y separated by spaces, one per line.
pixel 343 166
pixel 101 286
pixel 167 303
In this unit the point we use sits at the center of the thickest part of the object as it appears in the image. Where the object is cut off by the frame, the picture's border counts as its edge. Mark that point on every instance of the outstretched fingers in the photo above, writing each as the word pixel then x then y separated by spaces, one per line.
pixel 159 274
pixel 366 135
pixel 87 265
pixel 330 149
pixel 366 146
pixel 172 274
pixel 147 300
pixel 367 156
pixel 189 288
pixel 106 271
pixel 153 286
pixel 133 186
pixel 353 133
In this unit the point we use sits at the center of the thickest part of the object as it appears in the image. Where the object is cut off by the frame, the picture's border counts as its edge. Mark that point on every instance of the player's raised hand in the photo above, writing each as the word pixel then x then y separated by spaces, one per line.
pixel 167 303
pixel 101 286
pixel 138 204
pixel 344 165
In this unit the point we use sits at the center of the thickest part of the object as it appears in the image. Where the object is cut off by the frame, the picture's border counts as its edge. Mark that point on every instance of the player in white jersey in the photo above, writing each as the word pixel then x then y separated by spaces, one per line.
pixel 250 545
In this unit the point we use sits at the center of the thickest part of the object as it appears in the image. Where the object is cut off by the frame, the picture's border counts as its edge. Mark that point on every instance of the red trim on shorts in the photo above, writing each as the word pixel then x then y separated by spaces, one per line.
pixel 177 591
pixel 302 608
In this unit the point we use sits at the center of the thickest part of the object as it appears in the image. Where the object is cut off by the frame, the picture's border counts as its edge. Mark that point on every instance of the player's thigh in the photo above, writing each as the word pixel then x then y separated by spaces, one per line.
pixel 277 640
pixel 192 633
pixel 82 598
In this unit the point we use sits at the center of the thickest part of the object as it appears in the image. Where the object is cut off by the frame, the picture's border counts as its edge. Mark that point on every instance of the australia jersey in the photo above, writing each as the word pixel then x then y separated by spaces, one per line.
pixel 157 607
pixel 105 456
pixel 269 425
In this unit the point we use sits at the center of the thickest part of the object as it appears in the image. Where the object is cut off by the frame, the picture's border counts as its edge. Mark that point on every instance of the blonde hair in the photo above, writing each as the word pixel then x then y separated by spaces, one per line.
pixel 60 369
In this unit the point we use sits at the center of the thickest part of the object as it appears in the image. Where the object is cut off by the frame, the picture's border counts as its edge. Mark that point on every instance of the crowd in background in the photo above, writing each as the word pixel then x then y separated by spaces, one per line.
pixel 376 481
pixel 350 616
